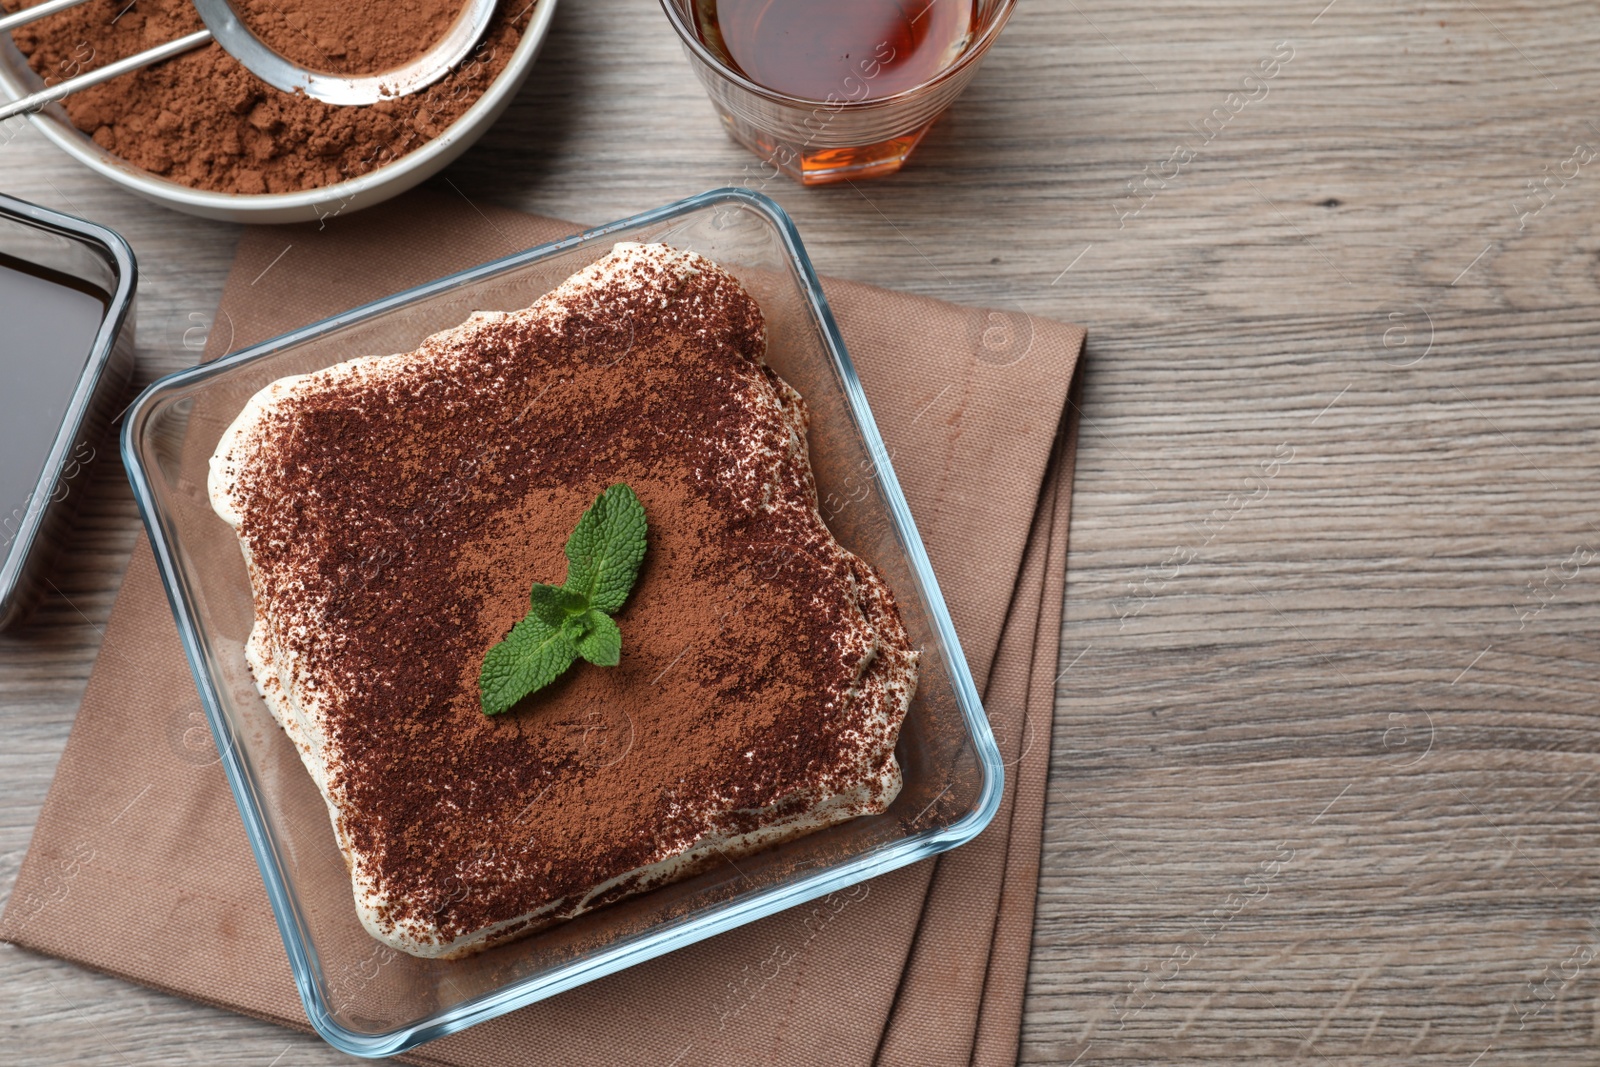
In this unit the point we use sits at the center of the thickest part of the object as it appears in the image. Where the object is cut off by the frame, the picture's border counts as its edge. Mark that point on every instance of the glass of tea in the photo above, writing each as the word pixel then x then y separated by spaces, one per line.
pixel 824 90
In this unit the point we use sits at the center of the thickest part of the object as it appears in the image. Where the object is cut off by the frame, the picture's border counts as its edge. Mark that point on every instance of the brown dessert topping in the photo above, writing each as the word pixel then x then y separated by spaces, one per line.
pixel 424 508
pixel 202 120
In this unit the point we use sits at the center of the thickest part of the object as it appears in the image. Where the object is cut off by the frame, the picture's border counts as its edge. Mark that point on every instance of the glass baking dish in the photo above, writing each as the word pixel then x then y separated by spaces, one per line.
pixel 363 997
pixel 76 400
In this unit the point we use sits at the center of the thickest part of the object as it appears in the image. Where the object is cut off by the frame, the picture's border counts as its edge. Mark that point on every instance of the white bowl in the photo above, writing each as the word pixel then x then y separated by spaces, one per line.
pixel 391 179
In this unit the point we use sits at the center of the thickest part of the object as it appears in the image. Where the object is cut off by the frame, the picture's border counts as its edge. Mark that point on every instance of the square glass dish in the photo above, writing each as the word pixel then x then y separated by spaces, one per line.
pixel 66 356
pixel 951 767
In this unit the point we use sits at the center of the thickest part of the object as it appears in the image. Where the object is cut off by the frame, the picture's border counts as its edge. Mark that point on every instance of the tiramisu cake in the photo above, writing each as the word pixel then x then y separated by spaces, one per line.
pixel 396 510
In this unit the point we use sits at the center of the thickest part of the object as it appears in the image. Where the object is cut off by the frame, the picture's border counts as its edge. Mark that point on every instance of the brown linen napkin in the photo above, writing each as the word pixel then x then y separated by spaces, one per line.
pixel 925 965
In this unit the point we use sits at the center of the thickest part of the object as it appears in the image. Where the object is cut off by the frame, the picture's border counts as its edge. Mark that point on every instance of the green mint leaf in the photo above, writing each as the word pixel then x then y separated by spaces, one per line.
pixel 572 619
pixel 532 656
pixel 601 644
pixel 576 627
pixel 604 552
pixel 555 605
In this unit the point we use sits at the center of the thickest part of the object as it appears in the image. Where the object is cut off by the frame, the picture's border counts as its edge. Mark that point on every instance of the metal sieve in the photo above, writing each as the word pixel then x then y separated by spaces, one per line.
pixel 224 27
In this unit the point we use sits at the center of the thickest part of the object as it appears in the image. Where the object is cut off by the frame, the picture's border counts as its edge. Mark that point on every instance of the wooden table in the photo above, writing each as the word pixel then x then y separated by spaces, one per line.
pixel 1324 777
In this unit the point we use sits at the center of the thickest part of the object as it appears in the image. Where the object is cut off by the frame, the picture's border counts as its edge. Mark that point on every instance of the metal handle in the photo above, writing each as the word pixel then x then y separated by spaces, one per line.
pixel 35 101
pixel 37 11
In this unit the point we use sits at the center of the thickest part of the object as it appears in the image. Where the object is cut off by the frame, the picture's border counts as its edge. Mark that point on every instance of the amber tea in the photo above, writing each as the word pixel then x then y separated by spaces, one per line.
pixel 829 50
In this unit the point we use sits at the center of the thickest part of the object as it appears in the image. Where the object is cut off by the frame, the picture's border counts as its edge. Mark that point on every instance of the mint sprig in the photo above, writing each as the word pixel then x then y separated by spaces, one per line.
pixel 574 618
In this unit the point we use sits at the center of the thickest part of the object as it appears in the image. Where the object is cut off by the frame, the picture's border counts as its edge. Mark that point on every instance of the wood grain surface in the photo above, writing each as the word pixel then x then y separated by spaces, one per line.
pixel 1324 779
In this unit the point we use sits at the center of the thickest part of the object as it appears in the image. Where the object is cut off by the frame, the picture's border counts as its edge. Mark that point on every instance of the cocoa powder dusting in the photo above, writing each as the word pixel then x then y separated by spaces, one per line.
pixel 203 120
pixel 410 512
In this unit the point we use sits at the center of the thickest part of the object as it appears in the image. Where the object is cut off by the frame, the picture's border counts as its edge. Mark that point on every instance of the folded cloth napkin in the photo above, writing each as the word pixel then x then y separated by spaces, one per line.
pixel 925 965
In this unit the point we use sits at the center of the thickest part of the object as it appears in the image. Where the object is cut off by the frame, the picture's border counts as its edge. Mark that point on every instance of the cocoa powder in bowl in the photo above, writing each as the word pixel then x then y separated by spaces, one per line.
pixel 202 120
pixel 348 38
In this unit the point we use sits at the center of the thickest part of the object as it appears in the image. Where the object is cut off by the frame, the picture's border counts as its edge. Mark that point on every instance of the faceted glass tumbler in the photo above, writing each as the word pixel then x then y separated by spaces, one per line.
pixel 851 134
